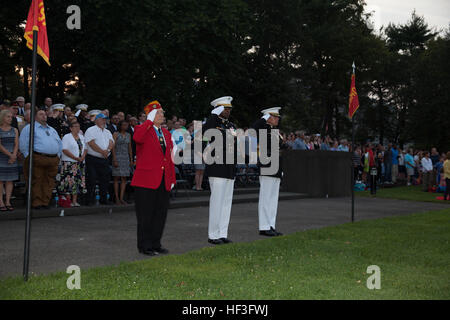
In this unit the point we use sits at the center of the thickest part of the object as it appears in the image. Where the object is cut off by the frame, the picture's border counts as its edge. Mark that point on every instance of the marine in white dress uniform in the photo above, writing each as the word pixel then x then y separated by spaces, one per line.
pixel 269 184
pixel 221 176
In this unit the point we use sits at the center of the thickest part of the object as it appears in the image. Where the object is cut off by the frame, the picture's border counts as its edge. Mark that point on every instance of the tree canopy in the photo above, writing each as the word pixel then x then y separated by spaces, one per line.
pixel 296 54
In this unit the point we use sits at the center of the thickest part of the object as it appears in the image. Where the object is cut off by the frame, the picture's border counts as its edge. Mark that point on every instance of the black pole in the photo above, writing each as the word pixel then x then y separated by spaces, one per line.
pixel 353 169
pixel 26 256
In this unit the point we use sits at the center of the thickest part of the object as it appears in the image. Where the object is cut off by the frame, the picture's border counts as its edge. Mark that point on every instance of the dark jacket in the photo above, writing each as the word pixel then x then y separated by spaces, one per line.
pixel 227 171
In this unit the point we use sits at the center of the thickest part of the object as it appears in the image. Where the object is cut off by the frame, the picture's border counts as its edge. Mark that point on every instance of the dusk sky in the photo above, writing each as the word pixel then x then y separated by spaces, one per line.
pixel 435 12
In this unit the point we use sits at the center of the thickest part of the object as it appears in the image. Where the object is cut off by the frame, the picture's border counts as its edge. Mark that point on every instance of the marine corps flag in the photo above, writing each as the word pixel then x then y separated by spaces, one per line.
pixel 353 103
pixel 36 21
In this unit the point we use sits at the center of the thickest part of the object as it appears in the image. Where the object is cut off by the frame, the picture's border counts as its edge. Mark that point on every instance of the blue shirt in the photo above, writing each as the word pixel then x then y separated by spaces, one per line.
pixel 394 153
pixel 408 161
pixel 324 146
pixel 46 140
pixel 342 148
pixel 299 144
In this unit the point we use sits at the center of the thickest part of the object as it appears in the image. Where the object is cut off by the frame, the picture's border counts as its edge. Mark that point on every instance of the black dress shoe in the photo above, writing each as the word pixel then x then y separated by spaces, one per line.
pixel 276 232
pixel 215 241
pixel 226 240
pixel 161 250
pixel 148 252
pixel 267 233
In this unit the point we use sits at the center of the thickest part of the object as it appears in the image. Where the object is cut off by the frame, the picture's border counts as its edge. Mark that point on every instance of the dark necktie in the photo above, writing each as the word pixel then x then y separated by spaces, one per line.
pixel 161 141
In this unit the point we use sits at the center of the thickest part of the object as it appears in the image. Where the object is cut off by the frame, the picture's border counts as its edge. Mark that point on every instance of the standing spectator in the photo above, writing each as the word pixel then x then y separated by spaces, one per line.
pixel 83 117
pixel 9 147
pixel 142 118
pixel 121 116
pixel 26 120
pixel 299 143
pixel 447 176
pixel 133 123
pixel 182 123
pixel 14 110
pixel 48 103
pixel 409 165
pixel 379 157
pixel 427 171
pixel 388 164
pixel 67 114
pixel 434 156
pixel 325 144
pixel 356 161
pixel 99 145
pixel 394 153
pixel 418 167
pixel 122 160
pixel 46 154
pixel 401 164
pixel 114 123
pixel 72 174
pixel 438 167
pixel 335 146
pixel 343 146
pixel 21 103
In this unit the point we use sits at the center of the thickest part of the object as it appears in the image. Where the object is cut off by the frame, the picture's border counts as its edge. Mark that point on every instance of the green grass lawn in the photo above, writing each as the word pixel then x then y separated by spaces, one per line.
pixel 413 193
pixel 330 263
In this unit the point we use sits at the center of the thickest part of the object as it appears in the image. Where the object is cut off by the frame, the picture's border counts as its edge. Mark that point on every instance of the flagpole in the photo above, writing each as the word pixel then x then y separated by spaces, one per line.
pixel 26 257
pixel 353 152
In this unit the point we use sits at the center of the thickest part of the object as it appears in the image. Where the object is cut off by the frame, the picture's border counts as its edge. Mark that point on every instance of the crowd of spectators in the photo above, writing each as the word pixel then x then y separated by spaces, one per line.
pixel 78 152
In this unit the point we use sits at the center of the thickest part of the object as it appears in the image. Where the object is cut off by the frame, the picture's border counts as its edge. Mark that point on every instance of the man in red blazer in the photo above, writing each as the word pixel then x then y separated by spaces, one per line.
pixel 153 179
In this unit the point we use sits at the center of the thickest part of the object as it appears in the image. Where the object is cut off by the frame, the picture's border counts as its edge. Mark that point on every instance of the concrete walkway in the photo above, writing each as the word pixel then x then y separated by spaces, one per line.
pixel 108 239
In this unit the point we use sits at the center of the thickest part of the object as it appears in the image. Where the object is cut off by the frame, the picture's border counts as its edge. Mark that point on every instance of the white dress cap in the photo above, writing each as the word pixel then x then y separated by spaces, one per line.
pixel 57 107
pixel 223 101
pixel 272 111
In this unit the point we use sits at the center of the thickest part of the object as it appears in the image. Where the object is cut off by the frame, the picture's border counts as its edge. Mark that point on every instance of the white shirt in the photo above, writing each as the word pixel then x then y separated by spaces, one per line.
pixel 401 160
pixel 427 164
pixel 70 144
pixel 101 137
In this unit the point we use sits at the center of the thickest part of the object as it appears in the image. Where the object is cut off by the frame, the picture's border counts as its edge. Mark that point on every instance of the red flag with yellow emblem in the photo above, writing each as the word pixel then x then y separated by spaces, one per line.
pixel 36 21
pixel 353 103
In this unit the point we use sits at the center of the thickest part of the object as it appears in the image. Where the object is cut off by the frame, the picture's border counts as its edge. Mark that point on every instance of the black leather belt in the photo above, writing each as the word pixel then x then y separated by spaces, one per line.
pixel 45 155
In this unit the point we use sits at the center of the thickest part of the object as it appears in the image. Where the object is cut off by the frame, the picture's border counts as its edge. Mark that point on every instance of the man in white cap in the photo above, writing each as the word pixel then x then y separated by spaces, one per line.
pixel 269 184
pixel 221 176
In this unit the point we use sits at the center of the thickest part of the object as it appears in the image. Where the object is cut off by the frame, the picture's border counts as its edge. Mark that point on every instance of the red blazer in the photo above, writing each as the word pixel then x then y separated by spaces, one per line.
pixel 151 163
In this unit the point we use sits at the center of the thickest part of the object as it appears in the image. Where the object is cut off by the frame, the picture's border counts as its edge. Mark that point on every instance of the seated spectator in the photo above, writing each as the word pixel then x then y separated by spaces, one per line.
pixel 9 147
pixel 46 155
pixel 72 180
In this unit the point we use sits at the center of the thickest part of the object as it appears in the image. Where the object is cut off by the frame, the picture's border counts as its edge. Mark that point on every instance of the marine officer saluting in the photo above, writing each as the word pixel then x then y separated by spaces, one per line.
pixel 269 184
pixel 153 179
pixel 221 176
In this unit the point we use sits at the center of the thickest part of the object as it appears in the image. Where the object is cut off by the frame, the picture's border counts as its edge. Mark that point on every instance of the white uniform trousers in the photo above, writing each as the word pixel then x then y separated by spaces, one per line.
pixel 268 201
pixel 220 207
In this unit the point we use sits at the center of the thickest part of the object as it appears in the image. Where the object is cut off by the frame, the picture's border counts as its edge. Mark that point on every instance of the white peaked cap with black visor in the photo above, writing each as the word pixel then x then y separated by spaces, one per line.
pixel 220 104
